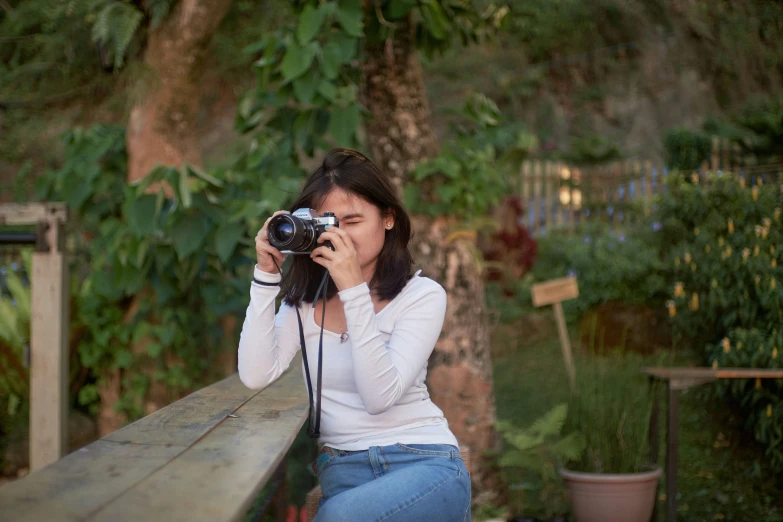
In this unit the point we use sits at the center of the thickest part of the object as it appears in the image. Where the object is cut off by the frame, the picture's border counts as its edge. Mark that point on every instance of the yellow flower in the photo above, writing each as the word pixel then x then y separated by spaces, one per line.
pixel 687 258
pixel 774 263
pixel 767 222
pixel 755 192
pixel 693 267
pixel 764 232
pixel 676 261
pixel 671 307
pixel 739 345
pixel 707 248
pixel 731 226
pixel 715 364
pixel 728 251
pixel 745 254
pixel 772 283
pixel 726 345
pixel 678 289
pixel 774 353
pixel 769 410
pixel 758 383
pixel 696 231
pixel 714 283
pixel 772 249
pixel 694 305
pixel 720 241
pixel 759 181
pixel 777 214
pixel 695 178
pixel 742 182
pixel 756 250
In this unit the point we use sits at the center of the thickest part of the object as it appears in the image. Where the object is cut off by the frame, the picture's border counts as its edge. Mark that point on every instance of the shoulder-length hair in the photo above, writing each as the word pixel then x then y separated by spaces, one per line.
pixel 354 173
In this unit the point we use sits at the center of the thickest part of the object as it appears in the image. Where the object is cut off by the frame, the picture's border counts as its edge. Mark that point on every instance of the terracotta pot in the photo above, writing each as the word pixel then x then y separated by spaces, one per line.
pixel 598 497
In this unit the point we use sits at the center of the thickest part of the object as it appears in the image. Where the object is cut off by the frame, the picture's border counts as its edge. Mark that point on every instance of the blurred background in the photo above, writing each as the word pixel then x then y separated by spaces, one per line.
pixel 634 145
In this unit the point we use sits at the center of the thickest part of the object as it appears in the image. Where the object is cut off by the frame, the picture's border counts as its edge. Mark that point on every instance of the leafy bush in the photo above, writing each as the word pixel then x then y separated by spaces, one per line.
pixel 725 249
pixel 686 149
pixel 178 244
pixel 537 452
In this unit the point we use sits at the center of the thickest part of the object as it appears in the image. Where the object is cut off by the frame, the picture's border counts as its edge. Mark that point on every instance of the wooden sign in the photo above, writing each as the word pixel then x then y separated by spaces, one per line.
pixel 554 293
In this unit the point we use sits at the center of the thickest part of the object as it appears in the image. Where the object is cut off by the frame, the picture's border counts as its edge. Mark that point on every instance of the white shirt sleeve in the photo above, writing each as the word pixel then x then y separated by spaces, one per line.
pixel 384 372
pixel 267 343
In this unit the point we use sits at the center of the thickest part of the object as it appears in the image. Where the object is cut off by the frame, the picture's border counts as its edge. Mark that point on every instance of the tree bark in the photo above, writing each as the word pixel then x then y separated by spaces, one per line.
pixel 162 126
pixel 400 134
pixel 162 130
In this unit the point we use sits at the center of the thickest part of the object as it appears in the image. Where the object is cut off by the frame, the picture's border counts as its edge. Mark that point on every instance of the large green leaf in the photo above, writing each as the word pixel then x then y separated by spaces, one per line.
pixel 331 59
pixel 348 46
pixel 310 22
pixel 305 86
pixel 141 215
pixel 226 238
pixel 185 195
pixel 435 19
pixel 350 18
pixel 188 234
pixel 399 8
pixel 297 59
pixel 343 122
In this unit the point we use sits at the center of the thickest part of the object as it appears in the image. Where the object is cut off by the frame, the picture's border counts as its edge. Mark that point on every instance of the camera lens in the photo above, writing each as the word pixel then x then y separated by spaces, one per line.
pixel 284 231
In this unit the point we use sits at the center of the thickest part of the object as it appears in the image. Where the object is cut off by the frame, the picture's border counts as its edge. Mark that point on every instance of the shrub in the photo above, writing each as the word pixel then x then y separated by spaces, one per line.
pixel 725 251
pixel 686 149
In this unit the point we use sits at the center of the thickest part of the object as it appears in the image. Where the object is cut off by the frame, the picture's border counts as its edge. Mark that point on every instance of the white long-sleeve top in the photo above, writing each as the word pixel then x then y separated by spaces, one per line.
pixel 373 391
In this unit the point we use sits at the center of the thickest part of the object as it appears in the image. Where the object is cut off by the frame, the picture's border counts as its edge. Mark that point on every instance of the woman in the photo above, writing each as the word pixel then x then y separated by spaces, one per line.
pixel 386 450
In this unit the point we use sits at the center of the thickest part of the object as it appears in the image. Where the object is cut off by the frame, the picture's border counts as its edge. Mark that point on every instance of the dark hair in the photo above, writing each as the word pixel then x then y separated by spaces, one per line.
pixel 354 173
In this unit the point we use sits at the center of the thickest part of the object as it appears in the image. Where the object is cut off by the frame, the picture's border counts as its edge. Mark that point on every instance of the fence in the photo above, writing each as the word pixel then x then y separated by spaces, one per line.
pixel 561 196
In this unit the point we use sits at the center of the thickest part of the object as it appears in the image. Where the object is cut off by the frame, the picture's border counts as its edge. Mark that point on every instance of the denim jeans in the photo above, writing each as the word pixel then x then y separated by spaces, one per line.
pixel 401 482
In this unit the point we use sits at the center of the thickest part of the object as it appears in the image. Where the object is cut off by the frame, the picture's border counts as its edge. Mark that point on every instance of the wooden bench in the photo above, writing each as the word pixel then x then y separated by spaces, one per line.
pixel 678 379
pixel 315 495
pixel 205 457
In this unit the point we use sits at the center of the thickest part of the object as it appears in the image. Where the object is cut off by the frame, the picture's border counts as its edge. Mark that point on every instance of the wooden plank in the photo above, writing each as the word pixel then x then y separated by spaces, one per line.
pixel 219 476
pixel 48 359
pixel 720 373
pixel 81 482
pixel 559 185
pixel 547 180
pixel 32 213
pixel 554 291
pixel 185 421
pixel 565 344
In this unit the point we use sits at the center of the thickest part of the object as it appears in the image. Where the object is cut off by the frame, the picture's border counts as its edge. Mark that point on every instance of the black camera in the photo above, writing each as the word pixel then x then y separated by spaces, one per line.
pixel 298 233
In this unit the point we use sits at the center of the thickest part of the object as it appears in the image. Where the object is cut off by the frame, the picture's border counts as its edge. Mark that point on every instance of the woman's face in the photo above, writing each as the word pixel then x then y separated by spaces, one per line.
pixel 361 220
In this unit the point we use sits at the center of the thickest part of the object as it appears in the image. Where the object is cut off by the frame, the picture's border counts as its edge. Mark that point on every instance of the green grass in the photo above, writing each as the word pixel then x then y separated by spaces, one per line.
pixel 721 473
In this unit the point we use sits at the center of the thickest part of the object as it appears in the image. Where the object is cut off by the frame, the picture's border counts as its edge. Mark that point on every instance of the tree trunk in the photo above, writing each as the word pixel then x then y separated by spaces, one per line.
pixel 400 135
pixel 162 131
pixel 162 126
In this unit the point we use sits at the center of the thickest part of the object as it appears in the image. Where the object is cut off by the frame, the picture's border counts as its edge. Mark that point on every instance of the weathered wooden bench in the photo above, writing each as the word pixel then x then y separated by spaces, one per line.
pixel 678 379
pixel 205 457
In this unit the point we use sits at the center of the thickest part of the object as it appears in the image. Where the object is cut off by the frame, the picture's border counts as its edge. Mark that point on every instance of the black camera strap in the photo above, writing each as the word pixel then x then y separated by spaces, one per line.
pixel 314 421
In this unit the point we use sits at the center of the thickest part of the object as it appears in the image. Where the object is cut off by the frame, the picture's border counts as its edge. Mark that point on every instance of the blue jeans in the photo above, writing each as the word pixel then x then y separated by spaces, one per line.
pixel 401 482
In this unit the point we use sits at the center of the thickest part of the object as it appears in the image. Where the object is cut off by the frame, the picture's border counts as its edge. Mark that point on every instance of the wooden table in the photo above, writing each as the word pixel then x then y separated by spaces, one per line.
pixel 679 379
pixel 202 458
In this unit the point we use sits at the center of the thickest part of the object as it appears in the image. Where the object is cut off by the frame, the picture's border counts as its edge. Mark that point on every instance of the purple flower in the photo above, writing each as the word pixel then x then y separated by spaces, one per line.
pixel 621 238
pixel 586 239
pixel 656 226
pixel 572 273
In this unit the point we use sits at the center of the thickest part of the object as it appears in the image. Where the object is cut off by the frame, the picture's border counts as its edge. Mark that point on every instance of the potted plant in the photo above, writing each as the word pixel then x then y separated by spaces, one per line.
pixel 614 479
pixel 531 458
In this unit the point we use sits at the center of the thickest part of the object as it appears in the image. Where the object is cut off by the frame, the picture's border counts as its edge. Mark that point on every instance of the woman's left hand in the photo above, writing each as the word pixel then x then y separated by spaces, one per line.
pixel 342 262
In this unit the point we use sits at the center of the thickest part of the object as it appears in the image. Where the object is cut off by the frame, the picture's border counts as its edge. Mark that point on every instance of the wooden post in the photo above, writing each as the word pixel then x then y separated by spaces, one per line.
pixel 49 324
pixel 555 292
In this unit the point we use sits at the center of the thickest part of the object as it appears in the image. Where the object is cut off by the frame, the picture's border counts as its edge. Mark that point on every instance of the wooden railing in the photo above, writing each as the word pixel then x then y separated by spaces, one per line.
pixel 205 457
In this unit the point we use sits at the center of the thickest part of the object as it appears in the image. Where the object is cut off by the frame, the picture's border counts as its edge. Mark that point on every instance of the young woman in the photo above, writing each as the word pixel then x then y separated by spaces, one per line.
pixel 386 451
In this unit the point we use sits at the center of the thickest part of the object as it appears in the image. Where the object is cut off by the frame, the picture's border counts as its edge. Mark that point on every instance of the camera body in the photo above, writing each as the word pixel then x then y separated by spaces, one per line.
pixel 298 233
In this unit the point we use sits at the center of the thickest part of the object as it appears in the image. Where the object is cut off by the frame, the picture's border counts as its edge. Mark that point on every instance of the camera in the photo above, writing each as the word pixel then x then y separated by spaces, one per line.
pixel 298 233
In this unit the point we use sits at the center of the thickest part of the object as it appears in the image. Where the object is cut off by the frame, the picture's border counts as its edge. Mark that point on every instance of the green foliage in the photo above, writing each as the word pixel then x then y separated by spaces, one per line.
pixel 762 125
pixel 724 247
pixel 185 255
pixel 15 313
pixel 538 451
pixel 686 149
pixel 592 149
pixel 611 409
pixel 476 169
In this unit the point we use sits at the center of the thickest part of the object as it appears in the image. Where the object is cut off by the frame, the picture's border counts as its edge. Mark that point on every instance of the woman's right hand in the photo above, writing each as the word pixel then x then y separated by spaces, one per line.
pixel 266 254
